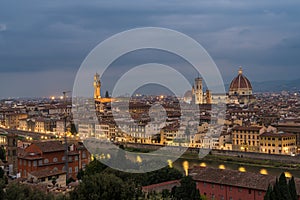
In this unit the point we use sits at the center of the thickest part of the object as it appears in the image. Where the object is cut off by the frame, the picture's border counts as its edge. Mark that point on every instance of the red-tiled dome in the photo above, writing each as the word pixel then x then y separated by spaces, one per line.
pixel 240 82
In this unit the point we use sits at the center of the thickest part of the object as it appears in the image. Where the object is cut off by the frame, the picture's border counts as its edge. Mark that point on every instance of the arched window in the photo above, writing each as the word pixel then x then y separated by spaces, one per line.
pixel 55 159
pixel 46 161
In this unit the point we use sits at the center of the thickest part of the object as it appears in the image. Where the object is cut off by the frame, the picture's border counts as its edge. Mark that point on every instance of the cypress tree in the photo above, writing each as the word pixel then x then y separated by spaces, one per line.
pixel 268 193
pixel 283 188
pixel 292 189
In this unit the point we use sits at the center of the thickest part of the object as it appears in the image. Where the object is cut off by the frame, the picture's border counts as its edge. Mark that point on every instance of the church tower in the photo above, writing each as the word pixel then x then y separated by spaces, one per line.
pixel 208 97
pixel 198 91
pixel 12 152
pixel 97 86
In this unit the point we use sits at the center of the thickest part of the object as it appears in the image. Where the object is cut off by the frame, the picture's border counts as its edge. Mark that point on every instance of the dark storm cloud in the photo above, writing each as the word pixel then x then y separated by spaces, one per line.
pixel 42 37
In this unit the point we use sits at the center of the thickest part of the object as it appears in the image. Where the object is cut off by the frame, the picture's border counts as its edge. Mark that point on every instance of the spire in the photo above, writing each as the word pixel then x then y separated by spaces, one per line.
pixel 240 70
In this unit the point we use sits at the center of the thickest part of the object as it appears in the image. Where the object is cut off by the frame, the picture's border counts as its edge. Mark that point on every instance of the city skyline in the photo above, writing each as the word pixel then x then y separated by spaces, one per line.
pixel 41 53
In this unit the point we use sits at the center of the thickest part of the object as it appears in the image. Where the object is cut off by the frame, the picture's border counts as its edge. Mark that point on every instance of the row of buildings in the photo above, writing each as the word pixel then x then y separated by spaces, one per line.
pixel 44 161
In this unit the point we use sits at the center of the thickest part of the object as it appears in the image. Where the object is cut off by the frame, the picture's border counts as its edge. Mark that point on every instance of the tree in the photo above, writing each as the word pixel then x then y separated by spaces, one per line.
pixel 1 173
pixel 165 194
pixel 282 190
pixel 102 186
pixel 292 189
pixel 187 190
pixel 80 174
pixel 2 153
pixel 283 187
pixel 2 192
pixel 268 193
pixel 17 191
pixel 94 167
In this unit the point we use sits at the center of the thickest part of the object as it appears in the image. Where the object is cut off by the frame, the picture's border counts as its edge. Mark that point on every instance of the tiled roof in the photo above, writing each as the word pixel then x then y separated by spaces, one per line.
pixel 46 172
pixel 158 185
pixel 271 134
pixel 246 128
pixel 50 146
pixel 240 82
pixel 235 178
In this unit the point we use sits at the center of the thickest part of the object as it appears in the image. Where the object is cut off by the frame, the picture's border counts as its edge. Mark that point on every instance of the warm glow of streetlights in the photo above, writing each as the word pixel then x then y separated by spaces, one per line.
pixel 242 169
pixel 139 159
pixel 263 172
pixel 222 167
pixel 288 174
pixel 170 163
pixel 203 164
pixel 185 165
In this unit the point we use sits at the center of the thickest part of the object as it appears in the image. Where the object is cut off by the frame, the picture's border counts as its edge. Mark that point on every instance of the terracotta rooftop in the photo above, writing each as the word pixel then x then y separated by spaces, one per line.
pixel 246 128
pixel 235 178
pixel 46 172
pixel 158 185
pixel 50 146
pixel 279 134
pixel 240 82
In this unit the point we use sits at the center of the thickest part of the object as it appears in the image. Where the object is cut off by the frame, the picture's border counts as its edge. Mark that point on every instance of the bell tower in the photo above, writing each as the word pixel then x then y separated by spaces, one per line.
pixel 12 152
pixel 198 91
pixel 97 86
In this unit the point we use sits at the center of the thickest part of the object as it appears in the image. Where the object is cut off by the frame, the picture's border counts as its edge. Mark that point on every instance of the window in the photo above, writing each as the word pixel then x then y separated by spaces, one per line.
pixel 249 191
pixel 40 162
pixel 63 158
pixel 76 158
pixel 29 163
pixel 204 184
pixel 76 169
pixel 54 159
pixel 221 186
pixel 70 169
pixel 46 160
pixel 20 162
pixel 212 196
pixel 212 185
pixel 83 155
pixel 230 188
pixel 240 189
pixel 259 193
pixel 34 163
pixel 24 162
pixel 70 159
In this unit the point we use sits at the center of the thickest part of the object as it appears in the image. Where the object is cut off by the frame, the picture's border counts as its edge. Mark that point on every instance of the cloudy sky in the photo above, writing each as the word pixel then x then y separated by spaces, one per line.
pixel 43 43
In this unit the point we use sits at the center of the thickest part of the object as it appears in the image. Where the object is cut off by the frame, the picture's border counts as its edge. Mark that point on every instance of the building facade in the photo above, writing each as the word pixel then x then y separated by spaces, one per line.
pixel 278 143
pixel 246 138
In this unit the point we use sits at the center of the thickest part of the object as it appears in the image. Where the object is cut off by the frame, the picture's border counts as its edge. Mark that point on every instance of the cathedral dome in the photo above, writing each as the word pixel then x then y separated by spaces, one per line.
pixel 240 85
